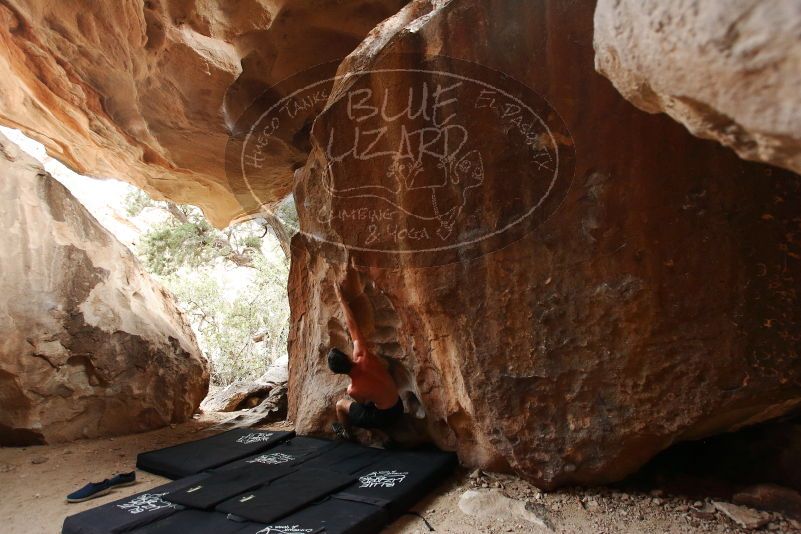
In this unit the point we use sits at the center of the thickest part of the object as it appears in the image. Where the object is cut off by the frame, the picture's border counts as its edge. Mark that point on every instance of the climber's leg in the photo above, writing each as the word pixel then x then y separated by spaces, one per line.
pixel 343 407
pixel 342 427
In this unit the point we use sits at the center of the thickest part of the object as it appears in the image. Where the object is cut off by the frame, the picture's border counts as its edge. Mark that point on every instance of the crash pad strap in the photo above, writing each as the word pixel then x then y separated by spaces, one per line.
pixel 196 522
pixel 345 457
pixel 285 495
pixel 375 501
pixel 221 486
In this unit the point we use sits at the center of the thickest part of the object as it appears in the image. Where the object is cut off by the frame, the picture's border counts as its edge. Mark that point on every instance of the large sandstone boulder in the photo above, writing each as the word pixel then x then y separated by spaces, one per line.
pixel 89 344
pixel 728 71
pixel 658 303
pixel 653 300
pixel 149 91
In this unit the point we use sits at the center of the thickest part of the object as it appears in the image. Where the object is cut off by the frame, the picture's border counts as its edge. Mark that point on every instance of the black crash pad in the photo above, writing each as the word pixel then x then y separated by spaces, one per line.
pixel 203 454
pixel 400 478
pixel 199 522
pixel 330 516
pixel 291 452
pixel 218 487
pixel 312 485
pixel 128 513
pixel 285 495
pixel 346 457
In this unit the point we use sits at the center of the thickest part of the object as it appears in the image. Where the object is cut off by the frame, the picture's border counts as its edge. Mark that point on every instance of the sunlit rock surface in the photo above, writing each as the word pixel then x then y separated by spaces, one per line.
pixel 728 71
pixel 658 303
pixel 90 345
pixel 149 91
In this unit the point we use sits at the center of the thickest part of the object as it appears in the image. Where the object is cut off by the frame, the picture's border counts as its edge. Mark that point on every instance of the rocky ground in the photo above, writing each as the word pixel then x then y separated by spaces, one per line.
pixel 504 503
pixel 34 481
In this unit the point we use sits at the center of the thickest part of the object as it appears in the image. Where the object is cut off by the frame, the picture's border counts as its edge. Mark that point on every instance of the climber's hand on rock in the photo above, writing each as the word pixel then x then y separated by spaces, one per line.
pixel 338 291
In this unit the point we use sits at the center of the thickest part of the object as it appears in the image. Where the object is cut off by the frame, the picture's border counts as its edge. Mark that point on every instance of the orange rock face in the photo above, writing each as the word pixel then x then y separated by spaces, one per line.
pixel 656 301
pixel 149 91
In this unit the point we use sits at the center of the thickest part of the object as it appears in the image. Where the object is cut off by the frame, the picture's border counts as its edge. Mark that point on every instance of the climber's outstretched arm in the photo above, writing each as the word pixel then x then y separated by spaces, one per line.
pixel 359 342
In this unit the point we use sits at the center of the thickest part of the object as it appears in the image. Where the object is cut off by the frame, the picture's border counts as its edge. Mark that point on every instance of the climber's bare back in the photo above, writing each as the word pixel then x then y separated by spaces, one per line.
pixel 370 380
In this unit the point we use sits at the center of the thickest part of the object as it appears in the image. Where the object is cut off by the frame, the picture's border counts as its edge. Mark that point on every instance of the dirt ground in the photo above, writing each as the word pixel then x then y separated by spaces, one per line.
pixel 34 481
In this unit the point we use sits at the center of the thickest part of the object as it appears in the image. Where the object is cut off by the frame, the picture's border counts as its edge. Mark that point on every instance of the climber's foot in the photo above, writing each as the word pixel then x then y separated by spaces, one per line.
pixel 341 432
pixel 390 444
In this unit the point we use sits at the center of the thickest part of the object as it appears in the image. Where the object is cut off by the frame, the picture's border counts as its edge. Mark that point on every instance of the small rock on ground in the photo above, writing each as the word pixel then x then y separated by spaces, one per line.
pixel 743 516
pixel 493 503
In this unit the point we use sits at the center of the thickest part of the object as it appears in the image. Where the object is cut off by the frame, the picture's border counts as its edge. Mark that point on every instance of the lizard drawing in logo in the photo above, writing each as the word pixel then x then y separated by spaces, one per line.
pixel 431 185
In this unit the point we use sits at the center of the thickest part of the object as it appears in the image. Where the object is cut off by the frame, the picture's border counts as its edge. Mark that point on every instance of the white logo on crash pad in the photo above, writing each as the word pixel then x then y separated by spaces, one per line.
pixel 285 529
pixel 274 458
pixel 147 502
pixel 255 437
pixel 382 479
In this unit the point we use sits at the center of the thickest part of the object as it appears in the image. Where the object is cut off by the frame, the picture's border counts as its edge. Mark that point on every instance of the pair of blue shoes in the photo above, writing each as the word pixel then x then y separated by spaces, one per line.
pixel 98 489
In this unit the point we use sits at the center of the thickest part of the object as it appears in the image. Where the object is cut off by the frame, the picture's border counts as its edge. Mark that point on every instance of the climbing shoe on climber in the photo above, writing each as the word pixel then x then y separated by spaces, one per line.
pixel 341 432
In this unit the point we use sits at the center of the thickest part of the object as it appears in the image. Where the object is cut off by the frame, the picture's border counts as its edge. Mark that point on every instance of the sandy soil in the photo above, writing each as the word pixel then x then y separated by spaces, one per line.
pixel 34 481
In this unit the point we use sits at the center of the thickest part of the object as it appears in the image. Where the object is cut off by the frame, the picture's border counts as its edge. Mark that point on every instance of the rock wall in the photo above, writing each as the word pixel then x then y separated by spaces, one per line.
pixel 728 71
pixel 149 90
pixel 653 300
pixel 658 303
pixel 89 344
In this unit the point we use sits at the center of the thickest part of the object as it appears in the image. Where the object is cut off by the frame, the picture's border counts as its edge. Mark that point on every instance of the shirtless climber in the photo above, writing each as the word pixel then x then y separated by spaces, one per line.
pixel 377 403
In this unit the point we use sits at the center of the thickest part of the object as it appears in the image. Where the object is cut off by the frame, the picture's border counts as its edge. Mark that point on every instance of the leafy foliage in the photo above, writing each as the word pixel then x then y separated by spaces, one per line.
pixel 187 239
pixel 243 333
pixel 231 283
pixel 136 201
pixel 172 245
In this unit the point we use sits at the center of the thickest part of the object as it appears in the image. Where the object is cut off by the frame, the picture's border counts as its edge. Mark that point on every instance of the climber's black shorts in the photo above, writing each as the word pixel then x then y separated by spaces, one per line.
pixel 366 415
